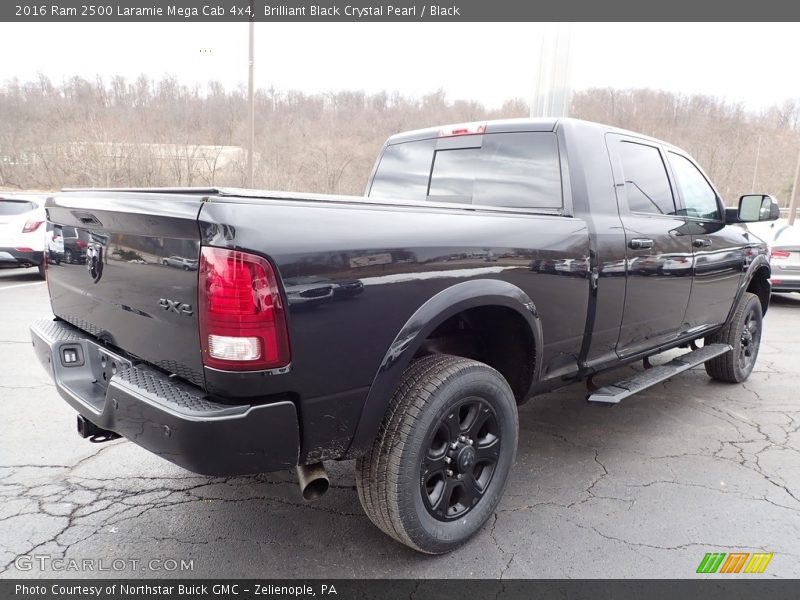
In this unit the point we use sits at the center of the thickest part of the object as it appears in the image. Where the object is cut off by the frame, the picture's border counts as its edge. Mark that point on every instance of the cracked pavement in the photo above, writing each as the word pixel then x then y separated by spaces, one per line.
pixel 643 489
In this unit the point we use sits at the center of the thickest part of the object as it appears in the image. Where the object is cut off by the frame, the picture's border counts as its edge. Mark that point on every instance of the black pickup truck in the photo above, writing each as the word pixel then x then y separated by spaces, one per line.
pixel 237 331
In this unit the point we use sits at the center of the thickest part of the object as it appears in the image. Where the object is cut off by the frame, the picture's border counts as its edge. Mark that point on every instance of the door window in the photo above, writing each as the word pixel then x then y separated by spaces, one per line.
pixel 646 181
pixel 699 198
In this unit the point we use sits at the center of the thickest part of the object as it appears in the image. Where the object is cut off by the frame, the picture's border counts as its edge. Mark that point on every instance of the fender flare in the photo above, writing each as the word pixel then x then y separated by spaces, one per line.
pixel 434 312
pixel 759 262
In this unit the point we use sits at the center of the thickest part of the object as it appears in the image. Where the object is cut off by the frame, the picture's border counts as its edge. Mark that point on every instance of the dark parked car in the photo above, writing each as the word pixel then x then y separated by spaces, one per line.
pixel 308 291
pixel 76 241
pixel 221 372
pixel 313 291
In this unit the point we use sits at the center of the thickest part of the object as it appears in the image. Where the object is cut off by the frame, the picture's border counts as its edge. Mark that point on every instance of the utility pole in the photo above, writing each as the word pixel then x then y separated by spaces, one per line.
pixel 755 167
pixel 251 104
pixel 795 191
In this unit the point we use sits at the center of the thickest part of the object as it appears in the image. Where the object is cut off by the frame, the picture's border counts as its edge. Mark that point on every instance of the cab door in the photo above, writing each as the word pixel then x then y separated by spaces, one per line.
pixel 719 251
pixel 658 246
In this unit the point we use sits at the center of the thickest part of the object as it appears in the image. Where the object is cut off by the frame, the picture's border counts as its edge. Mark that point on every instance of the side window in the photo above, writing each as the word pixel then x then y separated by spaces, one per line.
pixel 403 171
pixel 646 182
pixel 699 198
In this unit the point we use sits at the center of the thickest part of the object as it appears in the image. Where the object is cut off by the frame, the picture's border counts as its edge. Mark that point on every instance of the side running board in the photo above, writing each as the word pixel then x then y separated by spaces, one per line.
pixel 612 394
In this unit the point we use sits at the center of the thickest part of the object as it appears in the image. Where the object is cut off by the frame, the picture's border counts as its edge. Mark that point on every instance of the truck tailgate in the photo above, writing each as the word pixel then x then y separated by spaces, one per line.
pixel 131 278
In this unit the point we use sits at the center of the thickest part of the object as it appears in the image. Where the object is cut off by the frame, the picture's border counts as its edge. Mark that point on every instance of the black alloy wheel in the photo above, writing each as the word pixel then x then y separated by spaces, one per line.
pixel 742 333
pixel 461 458
pixel 750 339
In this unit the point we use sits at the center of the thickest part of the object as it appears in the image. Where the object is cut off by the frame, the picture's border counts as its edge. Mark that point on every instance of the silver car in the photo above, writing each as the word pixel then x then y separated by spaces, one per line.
pixel 784 243
pixel 180 262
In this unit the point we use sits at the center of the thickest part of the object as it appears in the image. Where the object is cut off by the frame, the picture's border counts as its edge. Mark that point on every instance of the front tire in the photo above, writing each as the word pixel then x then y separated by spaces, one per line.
pixel 743 333
pixel 439 464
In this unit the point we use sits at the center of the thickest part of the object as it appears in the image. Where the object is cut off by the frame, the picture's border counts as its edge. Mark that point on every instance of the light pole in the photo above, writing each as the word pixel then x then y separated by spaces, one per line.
pixel 795 192
pixel 251 105
pixel 552 91
pixel 755 167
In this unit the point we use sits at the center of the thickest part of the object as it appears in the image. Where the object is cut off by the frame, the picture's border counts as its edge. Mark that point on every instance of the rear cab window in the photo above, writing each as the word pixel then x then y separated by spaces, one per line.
pixel 513 170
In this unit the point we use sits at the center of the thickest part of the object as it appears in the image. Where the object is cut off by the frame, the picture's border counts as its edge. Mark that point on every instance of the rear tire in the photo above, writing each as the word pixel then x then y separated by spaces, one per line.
pixel 743 333
pixel 439 464
pixel 42 272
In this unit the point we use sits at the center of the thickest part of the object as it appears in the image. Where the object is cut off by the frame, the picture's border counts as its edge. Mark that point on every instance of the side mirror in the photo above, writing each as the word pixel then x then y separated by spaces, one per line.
pixel 757 207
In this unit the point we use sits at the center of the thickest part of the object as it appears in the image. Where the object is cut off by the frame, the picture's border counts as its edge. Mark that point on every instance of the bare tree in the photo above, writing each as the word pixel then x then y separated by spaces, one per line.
pixel 147 132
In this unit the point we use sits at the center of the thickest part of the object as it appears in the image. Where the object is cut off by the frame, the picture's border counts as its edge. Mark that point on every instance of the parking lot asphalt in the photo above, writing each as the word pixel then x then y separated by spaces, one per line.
pixel 643 489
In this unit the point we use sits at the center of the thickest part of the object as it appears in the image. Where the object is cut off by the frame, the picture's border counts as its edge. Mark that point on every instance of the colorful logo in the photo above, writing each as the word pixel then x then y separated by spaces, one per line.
pixel 735 562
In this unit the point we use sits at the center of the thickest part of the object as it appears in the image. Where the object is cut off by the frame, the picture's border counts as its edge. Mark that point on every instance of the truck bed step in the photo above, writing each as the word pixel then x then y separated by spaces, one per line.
pixel 612 394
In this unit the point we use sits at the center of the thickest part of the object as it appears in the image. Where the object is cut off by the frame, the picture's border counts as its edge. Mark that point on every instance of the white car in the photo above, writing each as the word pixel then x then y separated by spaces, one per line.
pixel 22 231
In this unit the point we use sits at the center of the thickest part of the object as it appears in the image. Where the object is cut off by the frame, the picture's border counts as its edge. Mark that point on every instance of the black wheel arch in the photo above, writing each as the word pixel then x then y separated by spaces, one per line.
pixel 458 299
pixel 756 281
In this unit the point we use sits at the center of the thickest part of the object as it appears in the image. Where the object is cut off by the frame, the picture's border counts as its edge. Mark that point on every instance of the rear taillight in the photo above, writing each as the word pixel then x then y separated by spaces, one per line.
pixel 31 225
pixel 782 254
pixel 80 243
pixel 242 321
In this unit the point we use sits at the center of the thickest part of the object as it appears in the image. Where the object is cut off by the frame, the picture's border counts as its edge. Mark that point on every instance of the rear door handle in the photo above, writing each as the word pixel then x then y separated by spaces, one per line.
pixel 701 242
pixel 640 243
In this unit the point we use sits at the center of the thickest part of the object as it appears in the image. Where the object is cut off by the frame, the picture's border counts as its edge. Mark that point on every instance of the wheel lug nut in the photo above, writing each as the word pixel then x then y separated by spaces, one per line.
pixel 454 445
pixel 469 442
pixel 448 460
pixel 449 473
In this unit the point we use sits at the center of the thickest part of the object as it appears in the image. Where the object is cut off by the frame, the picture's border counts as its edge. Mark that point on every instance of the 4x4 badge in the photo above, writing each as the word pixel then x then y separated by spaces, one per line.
pixel 179 308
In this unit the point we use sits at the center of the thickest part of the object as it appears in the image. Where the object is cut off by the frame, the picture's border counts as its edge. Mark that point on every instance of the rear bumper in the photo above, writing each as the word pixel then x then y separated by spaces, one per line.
pixel 786 286
pixel 165 416
pixel 10 257
pixel 785 282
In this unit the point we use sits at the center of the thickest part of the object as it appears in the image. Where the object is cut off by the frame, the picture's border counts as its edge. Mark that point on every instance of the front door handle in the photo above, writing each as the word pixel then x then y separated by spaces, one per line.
pixel 701 242
pixel 640 243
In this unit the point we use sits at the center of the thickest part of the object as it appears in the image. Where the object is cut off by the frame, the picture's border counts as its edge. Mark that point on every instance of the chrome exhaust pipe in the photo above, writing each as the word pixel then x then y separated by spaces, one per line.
pixel 313 481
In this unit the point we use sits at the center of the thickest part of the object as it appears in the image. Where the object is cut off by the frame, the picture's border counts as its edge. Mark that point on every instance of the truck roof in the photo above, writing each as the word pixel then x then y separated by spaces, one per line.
pixel 494 126
pixel 512 125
